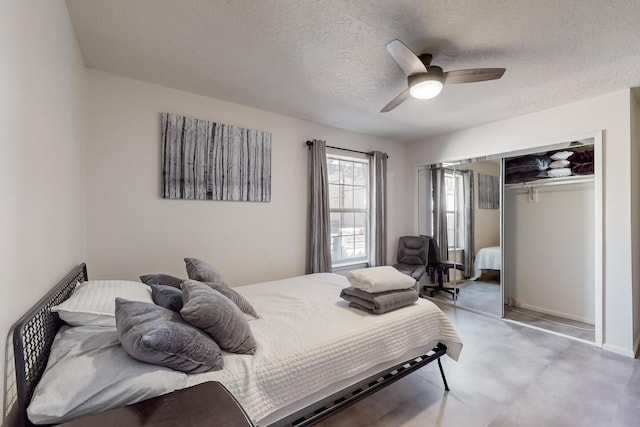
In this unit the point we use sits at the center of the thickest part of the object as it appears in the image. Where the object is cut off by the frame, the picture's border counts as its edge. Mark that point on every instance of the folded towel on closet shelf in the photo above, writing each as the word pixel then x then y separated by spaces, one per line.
pixel 379 302
pixel 380 279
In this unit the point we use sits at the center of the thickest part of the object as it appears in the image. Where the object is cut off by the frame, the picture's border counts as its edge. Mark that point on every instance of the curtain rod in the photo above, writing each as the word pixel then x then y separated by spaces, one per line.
pixel 368 153
pixel 447 168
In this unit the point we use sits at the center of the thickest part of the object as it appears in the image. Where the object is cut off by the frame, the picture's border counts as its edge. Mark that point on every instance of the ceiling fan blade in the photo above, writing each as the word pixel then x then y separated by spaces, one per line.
pixel 473 75
pixel 396 101
pixel 406 59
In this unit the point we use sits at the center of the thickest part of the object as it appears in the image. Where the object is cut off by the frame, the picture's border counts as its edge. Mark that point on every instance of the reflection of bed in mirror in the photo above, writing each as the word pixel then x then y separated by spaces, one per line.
pixel 487 259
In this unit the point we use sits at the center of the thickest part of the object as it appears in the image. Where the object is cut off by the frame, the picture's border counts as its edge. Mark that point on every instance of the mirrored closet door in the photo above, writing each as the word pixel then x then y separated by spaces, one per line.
pixel 459 206
pixel 523 235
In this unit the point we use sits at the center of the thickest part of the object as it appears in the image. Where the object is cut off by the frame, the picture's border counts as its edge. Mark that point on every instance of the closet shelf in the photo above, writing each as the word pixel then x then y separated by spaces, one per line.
pixel 544 182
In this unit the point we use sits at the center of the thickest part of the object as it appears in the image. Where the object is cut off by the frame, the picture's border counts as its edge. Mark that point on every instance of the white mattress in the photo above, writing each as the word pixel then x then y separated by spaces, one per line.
pixel 487 259
pixel 309 345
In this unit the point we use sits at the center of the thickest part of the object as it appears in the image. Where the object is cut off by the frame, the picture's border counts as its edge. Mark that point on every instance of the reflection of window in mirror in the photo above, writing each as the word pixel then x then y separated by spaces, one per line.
pixel 455 209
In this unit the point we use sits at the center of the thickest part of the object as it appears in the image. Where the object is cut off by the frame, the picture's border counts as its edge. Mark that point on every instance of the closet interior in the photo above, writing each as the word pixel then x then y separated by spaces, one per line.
pixel 527 228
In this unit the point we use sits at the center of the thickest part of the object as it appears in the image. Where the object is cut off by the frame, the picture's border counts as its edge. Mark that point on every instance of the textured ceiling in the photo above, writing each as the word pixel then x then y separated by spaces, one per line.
pixel 326 61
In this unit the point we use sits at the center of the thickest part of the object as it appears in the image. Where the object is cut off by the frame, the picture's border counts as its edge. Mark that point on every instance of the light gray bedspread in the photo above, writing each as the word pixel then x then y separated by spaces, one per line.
pixel 379 302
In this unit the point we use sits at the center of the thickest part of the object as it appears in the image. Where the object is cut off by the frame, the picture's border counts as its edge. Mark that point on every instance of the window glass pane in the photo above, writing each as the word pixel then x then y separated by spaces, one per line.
pixel 335 224
pixel 359 246
pixel 333 170
pixel 346 172
pixel 360 195
pixel 450 202
pixel 348 222
pixel 360 174
pixel 336 248
pixel 347 196
pixel 360 222
pixel 334 195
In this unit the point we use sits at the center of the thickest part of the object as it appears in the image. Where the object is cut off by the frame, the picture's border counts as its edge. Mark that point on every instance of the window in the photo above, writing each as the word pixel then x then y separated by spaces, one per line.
pixel 455 209
pixel 349 207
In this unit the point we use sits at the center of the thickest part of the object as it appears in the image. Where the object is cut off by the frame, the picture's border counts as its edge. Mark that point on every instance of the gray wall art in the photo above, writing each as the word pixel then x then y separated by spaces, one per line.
pixel 205 160
pixel 488 192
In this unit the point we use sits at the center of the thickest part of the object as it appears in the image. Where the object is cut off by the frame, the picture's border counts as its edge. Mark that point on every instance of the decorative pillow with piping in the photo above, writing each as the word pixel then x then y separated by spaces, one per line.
pixel 167 297
pixel 161 279
pixel 153 334
pixel 80 353
pixel 218 316
pixel 242 303
pixel 202 272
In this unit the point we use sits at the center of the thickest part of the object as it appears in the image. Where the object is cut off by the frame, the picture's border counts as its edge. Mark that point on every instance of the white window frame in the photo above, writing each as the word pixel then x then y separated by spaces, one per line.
pixel 364 259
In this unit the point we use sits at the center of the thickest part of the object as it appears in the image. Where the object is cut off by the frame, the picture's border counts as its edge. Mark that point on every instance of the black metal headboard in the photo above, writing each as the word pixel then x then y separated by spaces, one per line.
pixel 33 335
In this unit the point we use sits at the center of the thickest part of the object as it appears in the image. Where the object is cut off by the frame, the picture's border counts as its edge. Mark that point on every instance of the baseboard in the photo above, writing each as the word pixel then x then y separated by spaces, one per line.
pixel 558 313
pixel 619 350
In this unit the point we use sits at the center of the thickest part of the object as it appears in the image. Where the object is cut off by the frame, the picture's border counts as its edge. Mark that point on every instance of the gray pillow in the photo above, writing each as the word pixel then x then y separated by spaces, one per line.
pixel 218 316
pixel 167 297
pixel 155 335
pixel 235 297
pixel 161 279
pixel 202 272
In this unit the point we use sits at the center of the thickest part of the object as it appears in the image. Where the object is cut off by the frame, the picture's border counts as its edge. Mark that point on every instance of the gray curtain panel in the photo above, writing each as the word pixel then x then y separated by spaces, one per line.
pixel 469 220
pixel 378 210
pixel 318 226
pixel 439 193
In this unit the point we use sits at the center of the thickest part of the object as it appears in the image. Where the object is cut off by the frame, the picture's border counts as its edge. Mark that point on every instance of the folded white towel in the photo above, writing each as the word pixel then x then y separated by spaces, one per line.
pixel 379 279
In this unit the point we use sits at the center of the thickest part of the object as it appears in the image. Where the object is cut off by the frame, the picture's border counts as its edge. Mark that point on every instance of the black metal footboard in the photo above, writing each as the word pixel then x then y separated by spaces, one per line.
pixel 345 398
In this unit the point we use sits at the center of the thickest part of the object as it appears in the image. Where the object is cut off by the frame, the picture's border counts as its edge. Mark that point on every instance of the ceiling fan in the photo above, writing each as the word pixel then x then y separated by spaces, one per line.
pixel 425 81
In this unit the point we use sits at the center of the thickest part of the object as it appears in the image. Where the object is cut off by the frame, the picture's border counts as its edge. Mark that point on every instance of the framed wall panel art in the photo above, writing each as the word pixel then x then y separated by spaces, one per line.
pixel 204 160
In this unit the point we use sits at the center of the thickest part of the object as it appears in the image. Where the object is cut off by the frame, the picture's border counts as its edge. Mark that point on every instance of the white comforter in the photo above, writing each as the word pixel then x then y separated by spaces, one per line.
pixel 489 258
pixel 307 339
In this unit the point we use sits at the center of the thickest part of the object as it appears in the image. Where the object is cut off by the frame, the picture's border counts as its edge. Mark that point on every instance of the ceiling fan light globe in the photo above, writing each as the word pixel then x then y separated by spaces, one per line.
pixel 426 89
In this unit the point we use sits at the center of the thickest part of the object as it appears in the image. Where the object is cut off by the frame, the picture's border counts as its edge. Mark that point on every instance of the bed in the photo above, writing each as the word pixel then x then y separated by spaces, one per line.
pixel 314 354
pixel 489 258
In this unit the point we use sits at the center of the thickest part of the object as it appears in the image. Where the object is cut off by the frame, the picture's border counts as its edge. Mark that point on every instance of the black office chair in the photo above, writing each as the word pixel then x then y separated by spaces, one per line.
pixel 413 252
pixel 438 269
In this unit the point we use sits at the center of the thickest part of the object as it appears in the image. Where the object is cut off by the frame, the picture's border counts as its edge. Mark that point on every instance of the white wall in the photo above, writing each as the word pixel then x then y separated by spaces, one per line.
pixel 42 159
pixel 132 231
pixel 610 113
pixel 549 249
pixel 635 211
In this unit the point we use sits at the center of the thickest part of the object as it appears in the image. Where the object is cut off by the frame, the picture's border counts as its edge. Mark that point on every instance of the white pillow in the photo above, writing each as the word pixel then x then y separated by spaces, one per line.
pixel 93 303
pixel 379 279
pixel 557 173
pixel 559 164
pixel 89 372
pixel 561 155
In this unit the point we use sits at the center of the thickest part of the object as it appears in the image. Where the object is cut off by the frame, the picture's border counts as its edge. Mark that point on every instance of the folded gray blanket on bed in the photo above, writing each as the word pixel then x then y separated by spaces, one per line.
pixel 379 302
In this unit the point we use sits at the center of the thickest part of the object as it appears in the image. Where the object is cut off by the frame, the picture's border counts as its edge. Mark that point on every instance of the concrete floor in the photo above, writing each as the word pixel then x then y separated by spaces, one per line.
pixel 482 295
pixel 508 375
